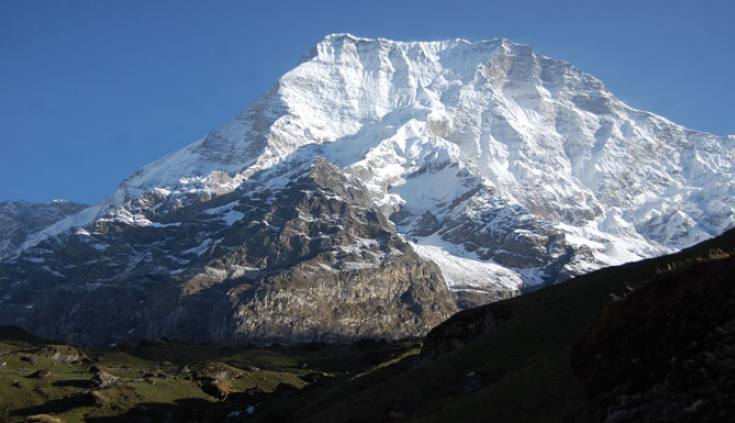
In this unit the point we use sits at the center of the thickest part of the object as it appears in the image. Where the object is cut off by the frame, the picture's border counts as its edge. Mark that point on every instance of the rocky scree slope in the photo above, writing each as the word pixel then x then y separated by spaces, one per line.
pixel 505 168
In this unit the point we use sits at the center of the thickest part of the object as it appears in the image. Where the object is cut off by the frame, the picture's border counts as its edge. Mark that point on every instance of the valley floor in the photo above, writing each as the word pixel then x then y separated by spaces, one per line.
pixel 167 381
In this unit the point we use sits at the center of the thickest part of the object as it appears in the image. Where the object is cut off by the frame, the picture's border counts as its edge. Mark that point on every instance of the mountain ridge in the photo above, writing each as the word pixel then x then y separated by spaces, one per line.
pixel 20 219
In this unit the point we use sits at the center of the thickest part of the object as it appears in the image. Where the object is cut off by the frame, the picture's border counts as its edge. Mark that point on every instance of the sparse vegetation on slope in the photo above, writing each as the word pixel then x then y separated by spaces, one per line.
pixel 164 381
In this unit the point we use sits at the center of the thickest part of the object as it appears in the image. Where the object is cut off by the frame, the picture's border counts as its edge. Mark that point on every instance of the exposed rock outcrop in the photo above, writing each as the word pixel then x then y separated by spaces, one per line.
pixel 102 378
pixel 312 261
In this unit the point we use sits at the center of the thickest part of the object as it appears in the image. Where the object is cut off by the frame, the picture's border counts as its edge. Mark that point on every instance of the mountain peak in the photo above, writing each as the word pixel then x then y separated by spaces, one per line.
pixel 340 36
pixel 346 36
pixel 511 156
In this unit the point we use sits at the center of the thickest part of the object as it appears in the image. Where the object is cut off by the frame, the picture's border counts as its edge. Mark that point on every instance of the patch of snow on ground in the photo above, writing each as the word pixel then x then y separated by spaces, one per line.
pixel 199 249
pixel 226 212
pixel 464 271
pixel 232 216
pixel 80 219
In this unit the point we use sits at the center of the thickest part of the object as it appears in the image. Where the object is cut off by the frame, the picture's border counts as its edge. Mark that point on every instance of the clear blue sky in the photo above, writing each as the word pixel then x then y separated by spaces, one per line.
pixel 92 90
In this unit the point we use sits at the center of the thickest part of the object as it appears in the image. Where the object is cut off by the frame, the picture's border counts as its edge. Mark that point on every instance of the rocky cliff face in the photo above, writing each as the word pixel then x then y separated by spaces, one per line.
pixel 314 261
pixel 505 168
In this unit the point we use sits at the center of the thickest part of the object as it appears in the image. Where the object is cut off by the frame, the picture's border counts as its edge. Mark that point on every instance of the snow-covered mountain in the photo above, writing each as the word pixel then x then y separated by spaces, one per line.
pixel 20 219
pixel 487 132
pixel 506 168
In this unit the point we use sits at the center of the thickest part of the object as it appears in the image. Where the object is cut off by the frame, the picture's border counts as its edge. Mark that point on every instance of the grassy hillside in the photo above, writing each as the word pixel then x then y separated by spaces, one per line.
pixel 166 381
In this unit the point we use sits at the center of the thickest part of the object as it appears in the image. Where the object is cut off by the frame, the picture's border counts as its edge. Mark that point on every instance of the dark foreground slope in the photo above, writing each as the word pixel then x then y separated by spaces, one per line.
pixel 648 341
pixel 512 361
pixel 666 352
